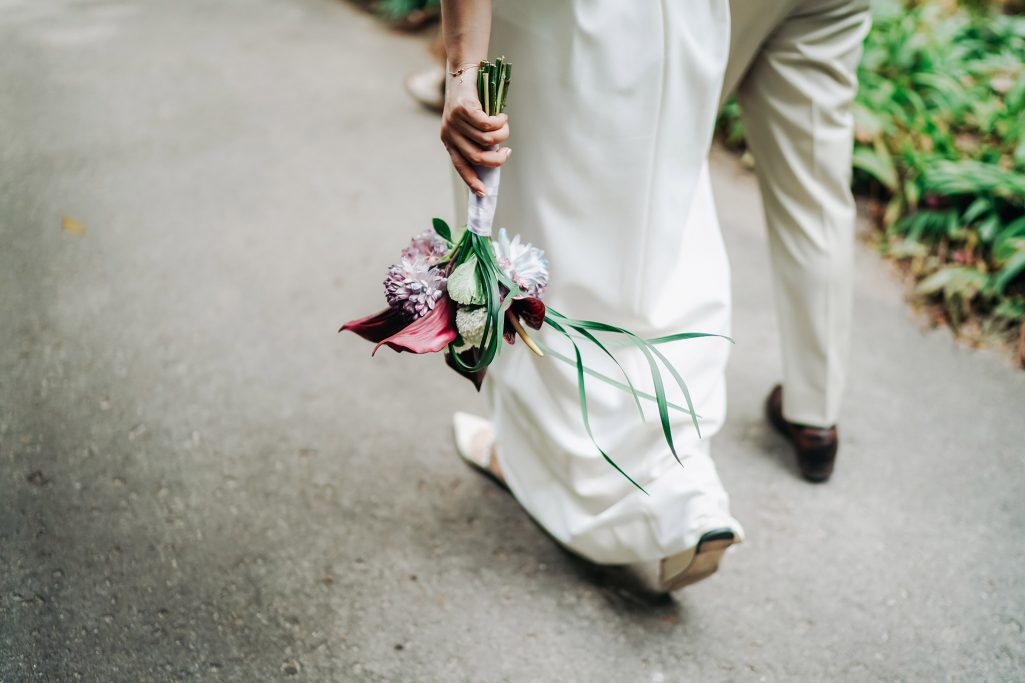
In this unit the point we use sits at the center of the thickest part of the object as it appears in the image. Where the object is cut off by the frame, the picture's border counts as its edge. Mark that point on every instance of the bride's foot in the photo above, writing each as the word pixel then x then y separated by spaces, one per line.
pixel 475 442
pixel 696 563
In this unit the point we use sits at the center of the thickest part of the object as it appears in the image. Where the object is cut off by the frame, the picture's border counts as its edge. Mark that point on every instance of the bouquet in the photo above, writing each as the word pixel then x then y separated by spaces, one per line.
pixel 467 294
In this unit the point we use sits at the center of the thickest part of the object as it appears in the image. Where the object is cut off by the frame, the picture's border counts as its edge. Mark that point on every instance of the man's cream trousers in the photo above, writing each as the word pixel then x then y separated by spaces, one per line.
pixel 792 66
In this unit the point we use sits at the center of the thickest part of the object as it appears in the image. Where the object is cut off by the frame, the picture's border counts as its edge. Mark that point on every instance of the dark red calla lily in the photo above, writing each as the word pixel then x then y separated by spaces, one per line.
pixel 528 309
pixel 379 326
pixel 431 333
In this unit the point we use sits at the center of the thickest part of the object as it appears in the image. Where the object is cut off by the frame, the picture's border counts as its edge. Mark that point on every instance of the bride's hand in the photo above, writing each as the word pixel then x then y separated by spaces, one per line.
pixel 469 134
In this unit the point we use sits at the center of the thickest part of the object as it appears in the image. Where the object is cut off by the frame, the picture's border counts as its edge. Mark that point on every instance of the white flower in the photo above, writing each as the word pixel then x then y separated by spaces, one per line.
pixel 470 323
pixel 523 263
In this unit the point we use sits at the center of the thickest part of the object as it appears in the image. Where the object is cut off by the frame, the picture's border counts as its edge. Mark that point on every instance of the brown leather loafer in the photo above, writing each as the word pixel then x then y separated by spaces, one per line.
pixel 815 446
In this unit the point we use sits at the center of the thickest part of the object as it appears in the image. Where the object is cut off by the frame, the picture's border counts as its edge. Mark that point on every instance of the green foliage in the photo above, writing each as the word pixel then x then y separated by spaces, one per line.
pixel 442 229
pixel 464 285
pixel 940 144
pixel 401 9
pixel 942 99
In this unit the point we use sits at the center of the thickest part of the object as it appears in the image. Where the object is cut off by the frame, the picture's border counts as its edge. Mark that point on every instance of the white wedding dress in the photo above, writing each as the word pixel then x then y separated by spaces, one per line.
pixel 611 107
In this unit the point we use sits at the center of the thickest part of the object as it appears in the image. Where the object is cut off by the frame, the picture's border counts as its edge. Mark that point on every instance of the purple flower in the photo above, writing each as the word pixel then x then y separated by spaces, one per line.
pixel 428 244
pixel 414 286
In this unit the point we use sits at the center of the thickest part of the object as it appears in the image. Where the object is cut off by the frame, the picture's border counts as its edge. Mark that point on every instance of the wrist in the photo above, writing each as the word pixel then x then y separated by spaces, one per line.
pixel 461 84
pixel 460 59
pixel 461 70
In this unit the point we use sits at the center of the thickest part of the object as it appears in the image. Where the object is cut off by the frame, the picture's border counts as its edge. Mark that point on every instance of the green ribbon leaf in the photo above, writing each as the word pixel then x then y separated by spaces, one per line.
pixel 649 351
pixel 582 391
pixel 549 351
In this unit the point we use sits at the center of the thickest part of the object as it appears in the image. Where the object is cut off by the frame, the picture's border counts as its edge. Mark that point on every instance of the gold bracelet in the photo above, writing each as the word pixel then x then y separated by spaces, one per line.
pixel 463 68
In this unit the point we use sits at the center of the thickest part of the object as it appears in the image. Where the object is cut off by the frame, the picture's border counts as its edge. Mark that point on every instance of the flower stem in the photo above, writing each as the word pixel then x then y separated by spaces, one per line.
pixel 514 321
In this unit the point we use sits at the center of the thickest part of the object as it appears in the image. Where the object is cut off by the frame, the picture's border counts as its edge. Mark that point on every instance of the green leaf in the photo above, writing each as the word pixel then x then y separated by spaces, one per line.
pixel 489 275
pixel 868 124
pixel 464 285
pixel 683 388
pixel 441 227
pixel 978 207
pixel 594 340
pixel 687 335
pixel 1015 267
pixel 989 228
pixel 549 351
pixel 877 164
pixel 953 280
pixel 974 178
pixel 1012 310
pixel 656 374
pixel 1009 241
pixel 582 392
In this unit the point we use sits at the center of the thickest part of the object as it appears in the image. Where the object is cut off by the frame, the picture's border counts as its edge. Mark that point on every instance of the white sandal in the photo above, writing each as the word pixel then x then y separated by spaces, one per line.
pixel 475 443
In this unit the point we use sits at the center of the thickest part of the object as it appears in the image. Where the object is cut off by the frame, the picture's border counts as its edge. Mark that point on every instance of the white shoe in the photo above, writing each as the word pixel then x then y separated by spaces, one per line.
pixel 475 443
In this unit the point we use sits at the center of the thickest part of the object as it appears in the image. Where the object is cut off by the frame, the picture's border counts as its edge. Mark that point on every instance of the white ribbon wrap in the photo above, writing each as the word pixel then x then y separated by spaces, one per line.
pixel 481 210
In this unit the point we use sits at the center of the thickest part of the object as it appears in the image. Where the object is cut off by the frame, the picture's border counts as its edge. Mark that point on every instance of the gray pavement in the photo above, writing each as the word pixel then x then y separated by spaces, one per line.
pixel 200 480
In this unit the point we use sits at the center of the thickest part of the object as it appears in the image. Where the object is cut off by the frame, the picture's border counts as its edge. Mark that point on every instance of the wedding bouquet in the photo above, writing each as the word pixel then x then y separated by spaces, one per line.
pixel 467 294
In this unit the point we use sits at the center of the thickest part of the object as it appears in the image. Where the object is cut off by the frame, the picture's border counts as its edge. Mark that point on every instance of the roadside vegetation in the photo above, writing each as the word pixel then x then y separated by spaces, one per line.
pixel 940 157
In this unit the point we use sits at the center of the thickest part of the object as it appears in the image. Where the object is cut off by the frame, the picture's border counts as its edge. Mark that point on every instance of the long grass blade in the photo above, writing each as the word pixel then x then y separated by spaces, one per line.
pixel 656 374
pixel 549 351
pixel 633 391
pixel 582 391
pixel 687 335
pixel 683 387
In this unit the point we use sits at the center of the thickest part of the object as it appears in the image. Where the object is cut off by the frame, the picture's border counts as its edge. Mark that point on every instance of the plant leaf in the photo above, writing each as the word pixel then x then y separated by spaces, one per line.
pixel 877 164
pixel 1015 267
pixel 549 351
pixel 441 227
pixel 582 392
pixel 464 285
pixel 656 374
pixel 633 391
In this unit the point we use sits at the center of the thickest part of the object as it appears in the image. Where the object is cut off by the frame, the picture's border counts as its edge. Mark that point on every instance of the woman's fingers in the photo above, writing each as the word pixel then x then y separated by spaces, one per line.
pixel 474 153
pixel 482 138
pixel 469 134
pixel 465 171
pixel 471 113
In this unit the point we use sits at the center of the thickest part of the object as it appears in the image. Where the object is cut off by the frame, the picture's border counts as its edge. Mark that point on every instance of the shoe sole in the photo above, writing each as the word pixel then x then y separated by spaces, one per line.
pixel 703 561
